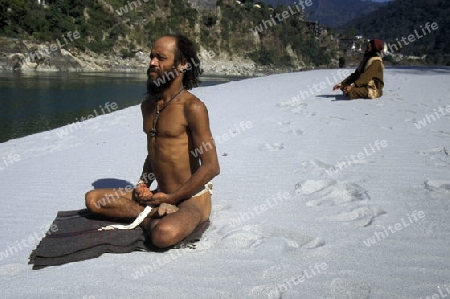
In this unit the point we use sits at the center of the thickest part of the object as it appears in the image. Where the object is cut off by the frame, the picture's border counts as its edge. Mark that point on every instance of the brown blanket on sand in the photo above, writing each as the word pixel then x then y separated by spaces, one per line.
pixel 74 236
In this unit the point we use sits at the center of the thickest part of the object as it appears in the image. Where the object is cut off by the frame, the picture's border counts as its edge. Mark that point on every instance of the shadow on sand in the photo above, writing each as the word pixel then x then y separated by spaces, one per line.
pixel 337 97
pixel 111 183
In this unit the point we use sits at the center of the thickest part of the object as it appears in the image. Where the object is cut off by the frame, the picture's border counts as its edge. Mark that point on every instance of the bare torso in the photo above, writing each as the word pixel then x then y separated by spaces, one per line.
pixel 170 150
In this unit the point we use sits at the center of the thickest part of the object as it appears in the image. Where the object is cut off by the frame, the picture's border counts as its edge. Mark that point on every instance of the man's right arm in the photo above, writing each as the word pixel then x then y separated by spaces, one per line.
pixel 351 79
pixel 147 177
pixel 347 81
pixel 142 189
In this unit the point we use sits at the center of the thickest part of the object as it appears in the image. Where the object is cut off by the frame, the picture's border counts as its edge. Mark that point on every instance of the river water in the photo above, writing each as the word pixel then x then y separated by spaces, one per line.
pixel 36 102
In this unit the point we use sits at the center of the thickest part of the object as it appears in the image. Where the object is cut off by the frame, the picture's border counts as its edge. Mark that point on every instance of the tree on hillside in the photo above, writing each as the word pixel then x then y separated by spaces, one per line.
pixel 223 30
pixel 402 18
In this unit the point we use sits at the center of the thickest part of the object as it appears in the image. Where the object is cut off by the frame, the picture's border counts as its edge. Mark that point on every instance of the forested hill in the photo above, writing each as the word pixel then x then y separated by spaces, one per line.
pixel 333 13
pixel 125 27
pixel 408 25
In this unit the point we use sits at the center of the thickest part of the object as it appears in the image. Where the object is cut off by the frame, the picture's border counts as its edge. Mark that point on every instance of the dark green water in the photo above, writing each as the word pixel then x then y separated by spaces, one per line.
pixel 32 103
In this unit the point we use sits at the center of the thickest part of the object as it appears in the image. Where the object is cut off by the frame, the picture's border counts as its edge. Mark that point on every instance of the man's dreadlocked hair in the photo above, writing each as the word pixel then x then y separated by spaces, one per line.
pixel 185 50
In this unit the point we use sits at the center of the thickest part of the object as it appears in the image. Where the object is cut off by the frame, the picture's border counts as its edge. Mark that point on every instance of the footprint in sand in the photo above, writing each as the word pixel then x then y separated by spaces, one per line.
pixel 361 216
pixel 442 154
pixel 305 113
pixel 275 272
pixel 336 117
pixel 330 121
pixel 246 236
pixel 265 291
pixel 439 189
pixel 346 289
pixel 283 123
pixel 439 151
pixel 268 147
pixel 315 167
pixel 330 192
pixel 315 243
pixel 267 238
pixel 296 107
pixel 311 186
pixel 411 120
pixel 292 104
pixel 275 276
pixel 342 194
pixel 292 239
pixel 295 132
pixel 441 133
pixel 302 110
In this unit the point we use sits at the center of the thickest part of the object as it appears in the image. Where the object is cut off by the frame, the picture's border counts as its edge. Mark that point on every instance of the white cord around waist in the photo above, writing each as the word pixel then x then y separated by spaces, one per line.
pixel 146 211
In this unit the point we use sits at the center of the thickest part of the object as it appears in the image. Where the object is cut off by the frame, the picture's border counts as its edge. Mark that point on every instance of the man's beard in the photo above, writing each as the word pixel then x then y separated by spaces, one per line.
pixel 156 87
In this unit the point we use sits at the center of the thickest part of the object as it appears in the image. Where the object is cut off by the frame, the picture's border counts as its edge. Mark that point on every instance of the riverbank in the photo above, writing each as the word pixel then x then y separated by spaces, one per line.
pixel 29 56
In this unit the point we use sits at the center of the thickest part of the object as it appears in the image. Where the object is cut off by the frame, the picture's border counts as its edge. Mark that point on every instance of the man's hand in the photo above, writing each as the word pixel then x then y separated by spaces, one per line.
pixel 142 192
pixel 337 86
pixel 347 89
pixel 156 199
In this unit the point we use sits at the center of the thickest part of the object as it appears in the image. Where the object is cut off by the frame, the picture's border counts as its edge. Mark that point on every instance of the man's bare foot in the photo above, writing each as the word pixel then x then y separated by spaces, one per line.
pixel 158 212
pixel 166 209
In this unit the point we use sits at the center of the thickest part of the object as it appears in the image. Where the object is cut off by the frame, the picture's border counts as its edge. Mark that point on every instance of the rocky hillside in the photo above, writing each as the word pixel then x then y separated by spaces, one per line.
pixel 233 38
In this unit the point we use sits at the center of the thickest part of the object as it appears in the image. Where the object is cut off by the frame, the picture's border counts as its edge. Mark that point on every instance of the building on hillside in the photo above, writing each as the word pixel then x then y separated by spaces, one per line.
pixel 315 28
pixel 45 2
pixel 351 46
pixel 302 15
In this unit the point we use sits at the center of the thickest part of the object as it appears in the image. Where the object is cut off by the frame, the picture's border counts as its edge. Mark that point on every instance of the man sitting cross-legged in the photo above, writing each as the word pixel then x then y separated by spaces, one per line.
pixel 176 123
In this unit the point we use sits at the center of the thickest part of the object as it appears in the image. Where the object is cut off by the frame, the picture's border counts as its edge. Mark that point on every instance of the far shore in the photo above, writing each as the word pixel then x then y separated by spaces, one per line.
pixel 207 76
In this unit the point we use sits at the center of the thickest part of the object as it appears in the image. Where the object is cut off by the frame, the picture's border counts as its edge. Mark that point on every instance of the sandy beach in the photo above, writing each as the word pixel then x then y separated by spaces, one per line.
pixel 318 197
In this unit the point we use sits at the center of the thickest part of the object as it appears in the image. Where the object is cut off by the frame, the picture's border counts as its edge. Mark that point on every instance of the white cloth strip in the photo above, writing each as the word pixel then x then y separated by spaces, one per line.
pixel 208 188
pixel 133 225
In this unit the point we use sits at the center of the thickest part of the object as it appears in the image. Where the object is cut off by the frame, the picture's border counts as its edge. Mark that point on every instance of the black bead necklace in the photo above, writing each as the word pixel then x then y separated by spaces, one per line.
pixel 157 112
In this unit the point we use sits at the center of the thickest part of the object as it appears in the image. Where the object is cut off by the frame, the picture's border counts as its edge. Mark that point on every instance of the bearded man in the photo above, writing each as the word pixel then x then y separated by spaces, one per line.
pixel 176 124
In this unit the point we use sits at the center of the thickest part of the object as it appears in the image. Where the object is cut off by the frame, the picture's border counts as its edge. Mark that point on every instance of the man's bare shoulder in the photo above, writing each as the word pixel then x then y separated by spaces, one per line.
pixel 195 112
pixel 193 105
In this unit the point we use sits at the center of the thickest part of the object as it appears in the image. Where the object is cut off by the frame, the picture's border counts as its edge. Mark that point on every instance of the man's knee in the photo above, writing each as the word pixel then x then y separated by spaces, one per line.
pixel 165 234
pixel 91 201
pixel 170 232
pixel 352 95
pixel 358 93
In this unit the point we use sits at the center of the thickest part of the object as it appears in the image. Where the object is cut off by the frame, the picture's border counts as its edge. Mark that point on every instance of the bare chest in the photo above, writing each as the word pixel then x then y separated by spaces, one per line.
pixel 169 122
